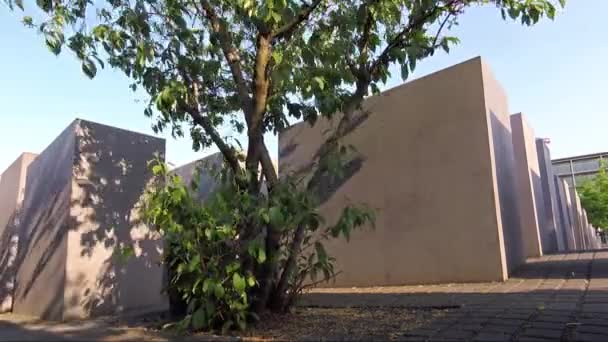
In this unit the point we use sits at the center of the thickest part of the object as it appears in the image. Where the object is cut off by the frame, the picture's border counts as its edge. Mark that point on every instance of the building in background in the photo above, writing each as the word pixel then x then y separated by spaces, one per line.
pixel 575 170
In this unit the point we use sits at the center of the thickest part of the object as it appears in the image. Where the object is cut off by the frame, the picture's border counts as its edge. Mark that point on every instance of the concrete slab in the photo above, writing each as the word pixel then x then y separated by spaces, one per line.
pixel 81 204
pixel 577 215
pixel 440 175
pixel 565 205
pixel 530 193
pixel 553 225
pixel 204 168
pixel 12 187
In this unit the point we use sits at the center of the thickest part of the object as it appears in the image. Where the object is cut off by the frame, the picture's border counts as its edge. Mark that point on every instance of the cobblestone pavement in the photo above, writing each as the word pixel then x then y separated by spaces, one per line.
pixel 556 297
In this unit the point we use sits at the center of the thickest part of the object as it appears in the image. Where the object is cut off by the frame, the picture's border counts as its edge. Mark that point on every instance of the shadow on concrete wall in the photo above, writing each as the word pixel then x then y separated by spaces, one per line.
pixel 329 183
pixel 505 177
pixel 84 195
pixel 48 226
pixel 112 177
pixel 8 251
pixel 545 224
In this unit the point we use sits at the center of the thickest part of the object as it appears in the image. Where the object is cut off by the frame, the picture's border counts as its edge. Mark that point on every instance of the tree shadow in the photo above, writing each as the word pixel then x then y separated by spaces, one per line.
pixel 82 202
pixel 8 253
pixel 329 182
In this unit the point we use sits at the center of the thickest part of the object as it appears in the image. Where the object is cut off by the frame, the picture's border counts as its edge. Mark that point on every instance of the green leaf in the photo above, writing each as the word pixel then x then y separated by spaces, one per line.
pixel 405 71
pixel 238 282
pixel 321 254
pixel 261 255
pixel 277 56
pixel 199 319
pixel 28 21
pixel 219 291
pixel 89 68
pixel 194 264
pixel 228 324
pixel 54 41
pixel 320 82
pixel 251 281
pixel 276 216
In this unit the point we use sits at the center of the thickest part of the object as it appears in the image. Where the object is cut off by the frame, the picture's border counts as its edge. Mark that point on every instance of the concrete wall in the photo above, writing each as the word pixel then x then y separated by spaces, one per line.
pixel 529 187
pixel 12 188
pixel 586 231
pixel 577 214
pixel 204 168
pixel 565 208
pixel 553 224
pixel 428 160
pixel 81 203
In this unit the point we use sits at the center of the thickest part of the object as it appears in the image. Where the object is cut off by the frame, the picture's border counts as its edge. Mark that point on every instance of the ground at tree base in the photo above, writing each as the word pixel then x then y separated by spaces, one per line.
pixel 556 297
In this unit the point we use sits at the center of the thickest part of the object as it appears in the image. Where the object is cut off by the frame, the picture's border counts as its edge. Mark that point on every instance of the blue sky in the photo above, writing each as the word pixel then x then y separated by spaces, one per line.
pixel 555 73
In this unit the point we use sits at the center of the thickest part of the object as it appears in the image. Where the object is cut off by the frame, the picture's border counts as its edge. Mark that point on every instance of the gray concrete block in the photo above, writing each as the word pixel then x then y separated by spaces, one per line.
pixel 565 206
pixel 577 219
pixel 435 158
pixel 553 224
pixel 12 187
pixel 205 169
pixel 529 187
pixel 81 202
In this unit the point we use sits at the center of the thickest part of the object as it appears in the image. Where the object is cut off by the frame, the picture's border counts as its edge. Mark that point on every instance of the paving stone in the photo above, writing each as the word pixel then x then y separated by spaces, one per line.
pixel 594 329
pixel 507 322
pixel 527 338
pixel 421 332
pixel 553 319
pixel 548 325
pixel 500 329
pixel 544 333
pixel 601 321
pixel 585 337
pixel 603 308
pixel 455 334
pixel 491 337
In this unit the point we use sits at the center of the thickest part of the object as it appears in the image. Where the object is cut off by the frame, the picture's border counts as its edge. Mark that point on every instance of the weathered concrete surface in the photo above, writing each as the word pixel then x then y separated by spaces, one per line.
pixel 553 224
pixel 12 187
pixel 585 226
pixel 440 175
pixel 530 195
pixel 577 215
pixel 81 203
pixel 565 205
pixel 205 169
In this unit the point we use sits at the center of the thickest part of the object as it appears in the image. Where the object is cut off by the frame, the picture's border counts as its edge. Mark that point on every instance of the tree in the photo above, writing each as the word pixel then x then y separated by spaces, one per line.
pixel 250 66
pixel 594 198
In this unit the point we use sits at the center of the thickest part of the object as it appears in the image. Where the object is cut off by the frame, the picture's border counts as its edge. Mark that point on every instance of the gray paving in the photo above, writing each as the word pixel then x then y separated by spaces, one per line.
pixel 556 297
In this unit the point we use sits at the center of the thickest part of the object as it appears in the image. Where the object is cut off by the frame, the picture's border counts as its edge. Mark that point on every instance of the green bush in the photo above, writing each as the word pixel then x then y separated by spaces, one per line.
pixel 217 249
pixel 594 198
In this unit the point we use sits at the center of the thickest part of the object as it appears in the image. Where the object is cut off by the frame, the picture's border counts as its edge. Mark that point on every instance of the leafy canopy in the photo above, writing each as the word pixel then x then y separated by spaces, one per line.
pixel 250 65
pixel 594 198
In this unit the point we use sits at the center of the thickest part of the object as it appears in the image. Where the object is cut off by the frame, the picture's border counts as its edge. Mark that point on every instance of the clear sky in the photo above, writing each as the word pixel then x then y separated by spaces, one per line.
pixel 555 73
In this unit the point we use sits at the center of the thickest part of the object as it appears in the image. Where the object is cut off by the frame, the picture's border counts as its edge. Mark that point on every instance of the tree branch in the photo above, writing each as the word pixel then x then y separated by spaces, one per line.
pixel 230 53
pixel 194 110
pixel 416 23
pixel 303 15
pixel 367 27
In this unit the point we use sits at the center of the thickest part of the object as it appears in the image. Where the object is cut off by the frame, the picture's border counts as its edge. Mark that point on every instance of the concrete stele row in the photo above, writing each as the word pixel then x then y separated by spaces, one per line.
pixel 456 181
pixel 463 190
